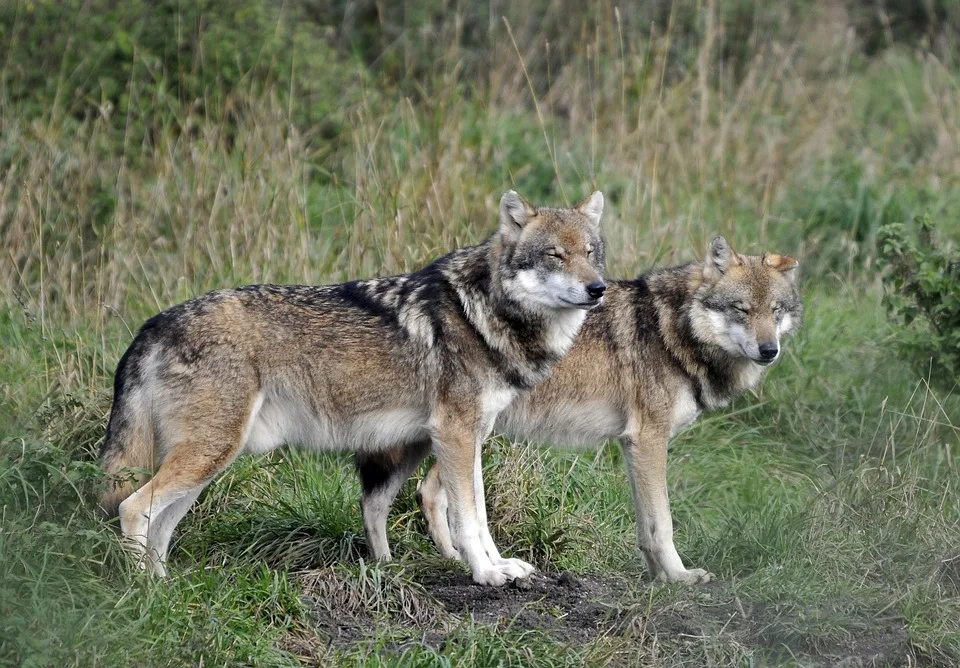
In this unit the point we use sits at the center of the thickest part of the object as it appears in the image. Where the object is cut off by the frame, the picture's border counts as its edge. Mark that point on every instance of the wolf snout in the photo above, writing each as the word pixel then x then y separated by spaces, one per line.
pixel 596 289
pixel 768 352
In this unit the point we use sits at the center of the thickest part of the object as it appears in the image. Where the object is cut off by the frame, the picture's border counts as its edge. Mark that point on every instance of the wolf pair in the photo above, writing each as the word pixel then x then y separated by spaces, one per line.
pixel 397 368
pixel 660 350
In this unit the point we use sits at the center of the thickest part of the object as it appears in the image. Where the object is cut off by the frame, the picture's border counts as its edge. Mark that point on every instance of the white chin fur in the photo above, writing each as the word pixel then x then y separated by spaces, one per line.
pixel 735 339
pixel 564 318
pixel 565 328
pixel 558 291
pixel 730 338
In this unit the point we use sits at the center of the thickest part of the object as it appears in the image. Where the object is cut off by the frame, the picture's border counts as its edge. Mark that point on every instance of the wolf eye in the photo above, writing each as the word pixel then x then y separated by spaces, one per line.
pixel 778 307
pixel 740 307
pixel 553 252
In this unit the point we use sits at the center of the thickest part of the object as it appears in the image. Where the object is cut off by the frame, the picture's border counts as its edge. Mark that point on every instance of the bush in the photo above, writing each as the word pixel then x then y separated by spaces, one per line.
pixel 923 295
pixel 146 62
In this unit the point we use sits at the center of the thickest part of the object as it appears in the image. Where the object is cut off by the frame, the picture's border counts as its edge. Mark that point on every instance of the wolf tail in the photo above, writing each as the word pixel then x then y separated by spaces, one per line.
pixel 129 440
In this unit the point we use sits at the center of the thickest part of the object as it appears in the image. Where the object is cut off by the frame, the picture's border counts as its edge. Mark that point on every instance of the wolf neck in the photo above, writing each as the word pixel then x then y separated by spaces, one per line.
pixel 524 344
pixel 717 377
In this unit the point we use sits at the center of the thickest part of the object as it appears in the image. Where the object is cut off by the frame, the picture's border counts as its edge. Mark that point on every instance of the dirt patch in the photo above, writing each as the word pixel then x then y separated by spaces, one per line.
pixel 948 574
pixel 831 634
pixel 348 607
pixel 877 647
pixel 577 607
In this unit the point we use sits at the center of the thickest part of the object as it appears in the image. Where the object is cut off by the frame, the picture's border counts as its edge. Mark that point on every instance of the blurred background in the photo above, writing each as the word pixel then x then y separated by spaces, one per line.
pixel 151 150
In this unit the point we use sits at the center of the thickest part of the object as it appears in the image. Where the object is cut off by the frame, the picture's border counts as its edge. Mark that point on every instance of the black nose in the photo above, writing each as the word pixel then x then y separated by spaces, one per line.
pixel 596 289
pixel 768 350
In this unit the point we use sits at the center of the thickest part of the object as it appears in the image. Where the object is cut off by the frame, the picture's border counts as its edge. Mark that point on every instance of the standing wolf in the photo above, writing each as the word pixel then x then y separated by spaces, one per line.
pixel 425 360
pixel 662 348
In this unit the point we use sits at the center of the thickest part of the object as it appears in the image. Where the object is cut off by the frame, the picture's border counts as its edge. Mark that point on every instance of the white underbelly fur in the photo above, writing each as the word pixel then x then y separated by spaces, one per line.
pixel 582 424
pixel 283 421
pixel 279 421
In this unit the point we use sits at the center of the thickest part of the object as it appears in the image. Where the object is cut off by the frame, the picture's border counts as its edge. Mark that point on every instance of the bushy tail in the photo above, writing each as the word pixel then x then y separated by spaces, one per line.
pixel 129 441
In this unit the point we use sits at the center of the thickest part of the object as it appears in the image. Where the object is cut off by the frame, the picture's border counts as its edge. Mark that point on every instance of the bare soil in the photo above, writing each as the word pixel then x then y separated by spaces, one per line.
pixel 577 609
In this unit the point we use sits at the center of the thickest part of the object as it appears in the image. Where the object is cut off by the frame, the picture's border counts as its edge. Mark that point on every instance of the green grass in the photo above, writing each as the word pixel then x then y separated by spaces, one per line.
pixel 794 498
pixel 826 502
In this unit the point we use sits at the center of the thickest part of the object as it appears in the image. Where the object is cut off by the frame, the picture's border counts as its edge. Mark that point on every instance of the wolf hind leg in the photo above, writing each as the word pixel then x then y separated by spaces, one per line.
pixel 149 516
pixel 141 521
pixel 382 475
pixel 161 529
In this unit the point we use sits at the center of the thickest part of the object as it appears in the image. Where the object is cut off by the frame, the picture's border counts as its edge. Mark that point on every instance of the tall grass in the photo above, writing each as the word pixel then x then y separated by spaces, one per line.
pixel 681 153
pixel 831 493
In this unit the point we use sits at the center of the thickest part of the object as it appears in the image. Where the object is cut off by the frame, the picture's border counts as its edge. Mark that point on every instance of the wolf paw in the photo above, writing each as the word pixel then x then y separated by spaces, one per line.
pixel 150 565
pixel 690 576
pixel 146 559
pixel 526 569
pixel 501 573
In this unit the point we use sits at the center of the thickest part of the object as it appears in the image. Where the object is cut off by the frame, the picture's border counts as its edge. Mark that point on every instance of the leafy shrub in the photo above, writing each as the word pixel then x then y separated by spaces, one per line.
pixel 923 295
pixel 146 61
pixel 56 470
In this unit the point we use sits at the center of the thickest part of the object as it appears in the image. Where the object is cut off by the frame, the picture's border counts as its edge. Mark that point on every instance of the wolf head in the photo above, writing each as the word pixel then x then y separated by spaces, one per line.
pixel 746 304
pixel 553 258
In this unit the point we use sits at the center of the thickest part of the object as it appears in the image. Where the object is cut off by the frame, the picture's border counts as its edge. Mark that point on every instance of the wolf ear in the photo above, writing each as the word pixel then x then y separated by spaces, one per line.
pixel 515 212
pixel 720 257
pixel 782 263
pixel 592 207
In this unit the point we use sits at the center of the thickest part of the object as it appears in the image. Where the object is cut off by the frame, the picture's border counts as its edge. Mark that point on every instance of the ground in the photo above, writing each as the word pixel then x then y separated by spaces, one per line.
pixel 576 610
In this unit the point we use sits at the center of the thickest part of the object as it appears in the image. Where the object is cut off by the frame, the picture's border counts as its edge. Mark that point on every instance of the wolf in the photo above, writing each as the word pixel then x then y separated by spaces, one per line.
pixel 661 349
pixel 425 360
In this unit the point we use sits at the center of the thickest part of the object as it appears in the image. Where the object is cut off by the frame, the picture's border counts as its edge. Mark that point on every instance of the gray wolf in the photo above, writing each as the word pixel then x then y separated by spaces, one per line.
pixel 662 349
pixel 425 360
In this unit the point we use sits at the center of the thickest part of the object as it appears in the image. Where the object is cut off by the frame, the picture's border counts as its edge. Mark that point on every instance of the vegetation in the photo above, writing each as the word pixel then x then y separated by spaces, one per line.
pixel 151 151
pixel 924 296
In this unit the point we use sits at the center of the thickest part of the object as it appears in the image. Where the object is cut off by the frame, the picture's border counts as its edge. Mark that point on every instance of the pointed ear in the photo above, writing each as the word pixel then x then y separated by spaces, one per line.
pixel 782 263
pixel 515 213
pixel 720 257
pixel 592 207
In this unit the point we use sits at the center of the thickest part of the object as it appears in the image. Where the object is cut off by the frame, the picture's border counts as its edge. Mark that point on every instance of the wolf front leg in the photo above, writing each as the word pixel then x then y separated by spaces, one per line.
pixel 645 452
pixel 485 538
pixel 456 448
pixel 432 498
pixel 433 501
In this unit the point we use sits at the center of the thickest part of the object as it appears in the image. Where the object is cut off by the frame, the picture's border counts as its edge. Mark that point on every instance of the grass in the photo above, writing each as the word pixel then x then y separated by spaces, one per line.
pixel 826 502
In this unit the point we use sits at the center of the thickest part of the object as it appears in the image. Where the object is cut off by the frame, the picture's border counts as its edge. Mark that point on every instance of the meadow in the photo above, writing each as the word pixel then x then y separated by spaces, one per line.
pixel 154 152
